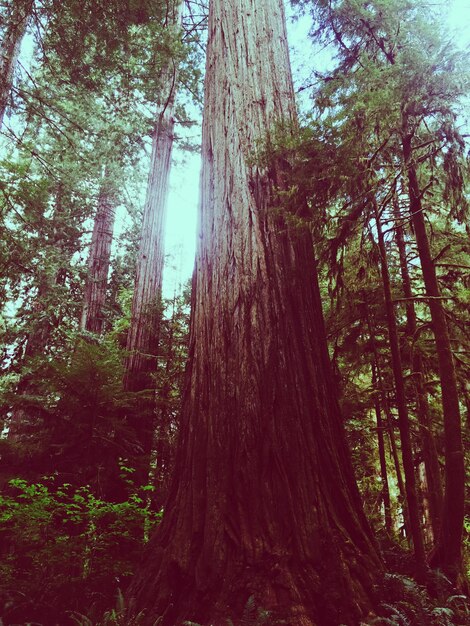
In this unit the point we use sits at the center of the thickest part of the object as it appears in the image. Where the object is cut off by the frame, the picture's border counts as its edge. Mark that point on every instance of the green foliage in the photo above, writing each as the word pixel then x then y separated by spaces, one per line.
pixel 65 548
pixel 405 603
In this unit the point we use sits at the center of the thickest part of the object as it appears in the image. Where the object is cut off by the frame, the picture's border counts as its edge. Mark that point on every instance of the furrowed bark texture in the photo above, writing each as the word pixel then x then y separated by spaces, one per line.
pixel 14 29
pixel 448 554
pixel 93 312
pixel 263 499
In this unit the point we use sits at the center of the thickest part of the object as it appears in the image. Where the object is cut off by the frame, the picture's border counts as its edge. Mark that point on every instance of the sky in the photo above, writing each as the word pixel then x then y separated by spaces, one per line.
pixel 184 181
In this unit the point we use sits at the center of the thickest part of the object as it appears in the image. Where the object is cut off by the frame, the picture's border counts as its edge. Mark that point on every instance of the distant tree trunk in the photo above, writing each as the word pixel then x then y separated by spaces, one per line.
pixel 14 29
pixel 430 456
pixel 383 460
pixel 448 554
pixel 143 336
pixel 403 418
pixel 93 314
pixel 263 500
pixel 390 428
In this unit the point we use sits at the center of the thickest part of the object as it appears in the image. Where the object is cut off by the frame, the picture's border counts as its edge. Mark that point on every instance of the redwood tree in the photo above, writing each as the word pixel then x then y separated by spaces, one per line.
pixel 263 500
pixel 93 315
pixel 142 340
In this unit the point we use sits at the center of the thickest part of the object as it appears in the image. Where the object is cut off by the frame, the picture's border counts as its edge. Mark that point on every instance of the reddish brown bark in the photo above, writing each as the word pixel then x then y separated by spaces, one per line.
pixel 448 554
pixel 263 500
pixel 14 28
pixel 93 311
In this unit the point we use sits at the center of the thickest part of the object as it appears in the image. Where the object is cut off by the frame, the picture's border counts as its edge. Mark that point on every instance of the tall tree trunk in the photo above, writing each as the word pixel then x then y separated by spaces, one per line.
pixel 93 314
pixel 403 418
pixel 143 336
pixel 430 456
pixel 263 500
pixel 14 29
pixel 448 554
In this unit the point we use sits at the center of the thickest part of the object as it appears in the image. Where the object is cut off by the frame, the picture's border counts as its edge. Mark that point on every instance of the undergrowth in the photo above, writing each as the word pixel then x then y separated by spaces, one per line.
pixel 405 603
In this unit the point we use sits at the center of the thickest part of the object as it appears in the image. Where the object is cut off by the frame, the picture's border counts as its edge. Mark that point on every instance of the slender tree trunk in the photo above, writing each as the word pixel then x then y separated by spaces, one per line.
pixel 14 29
pixel 383 460
pixel 390 427
pixel 430 456
pixel 448 554
pixel 263 500
pixel 144 331
pixel 403 418
pixel 93 313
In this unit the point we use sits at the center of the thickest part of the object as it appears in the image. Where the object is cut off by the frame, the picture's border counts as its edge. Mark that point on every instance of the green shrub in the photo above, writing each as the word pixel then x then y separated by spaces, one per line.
pixel 64 549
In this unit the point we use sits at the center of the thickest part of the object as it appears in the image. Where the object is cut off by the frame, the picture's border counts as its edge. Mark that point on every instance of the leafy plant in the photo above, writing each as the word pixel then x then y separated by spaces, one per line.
pixel 63 547
pixel 405 603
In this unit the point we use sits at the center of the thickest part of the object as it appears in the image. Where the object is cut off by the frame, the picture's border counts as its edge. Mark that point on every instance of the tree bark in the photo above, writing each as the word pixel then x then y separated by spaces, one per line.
pixel 430 456
pixel 403 418
pixel 263 500
pixel 16 22
pixel 93 313
pixel 448 554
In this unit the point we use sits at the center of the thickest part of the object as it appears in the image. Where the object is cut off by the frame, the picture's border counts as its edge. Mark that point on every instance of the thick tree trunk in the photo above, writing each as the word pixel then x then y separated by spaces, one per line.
pixel 403 418
pixel 263 500
pixel 93 313
pixel 143 336
pixel 430 456
pixel 14 29
pixel 448 554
